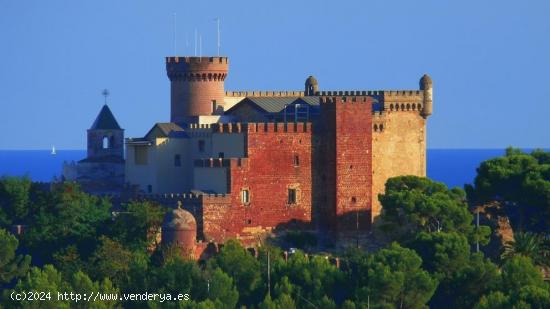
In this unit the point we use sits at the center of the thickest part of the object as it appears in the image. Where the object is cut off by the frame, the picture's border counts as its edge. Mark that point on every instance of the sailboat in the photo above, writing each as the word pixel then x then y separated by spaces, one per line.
pixel 53 150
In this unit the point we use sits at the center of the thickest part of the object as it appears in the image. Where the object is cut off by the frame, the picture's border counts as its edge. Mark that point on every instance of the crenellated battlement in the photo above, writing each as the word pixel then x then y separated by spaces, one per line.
pixel 350 93
pixel 193 69
pixel 221 162
pixel 255 93
pixel 199 126
pixel 345 99
pixel 183 199
pixel 231 127
pixel 197 60
pixel 403 93
pixel 279 127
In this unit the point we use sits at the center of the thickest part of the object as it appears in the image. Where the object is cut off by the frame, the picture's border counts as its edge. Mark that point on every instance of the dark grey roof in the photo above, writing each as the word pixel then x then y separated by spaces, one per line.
pixel 277 104
pixel 105 120
pixel 166 128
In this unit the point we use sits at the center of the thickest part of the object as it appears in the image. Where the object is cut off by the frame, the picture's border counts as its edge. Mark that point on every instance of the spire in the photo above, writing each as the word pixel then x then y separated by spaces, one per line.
pixel 105 120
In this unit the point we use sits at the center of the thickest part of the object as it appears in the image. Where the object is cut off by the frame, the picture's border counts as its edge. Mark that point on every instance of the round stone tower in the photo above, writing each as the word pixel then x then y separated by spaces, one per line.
pixel 180 229
pixel 196 86
pixel 427 86
pixel 311 86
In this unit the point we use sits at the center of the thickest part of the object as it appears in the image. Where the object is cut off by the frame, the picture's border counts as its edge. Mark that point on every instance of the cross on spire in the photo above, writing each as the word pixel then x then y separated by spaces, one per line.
pixel 105 93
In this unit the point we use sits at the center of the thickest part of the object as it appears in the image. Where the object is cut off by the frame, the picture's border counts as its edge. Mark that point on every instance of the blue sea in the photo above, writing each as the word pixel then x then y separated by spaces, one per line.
pixel 454 167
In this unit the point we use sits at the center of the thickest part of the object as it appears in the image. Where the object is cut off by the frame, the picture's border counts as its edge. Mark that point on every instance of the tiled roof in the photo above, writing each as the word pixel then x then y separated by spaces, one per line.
pixel 105 120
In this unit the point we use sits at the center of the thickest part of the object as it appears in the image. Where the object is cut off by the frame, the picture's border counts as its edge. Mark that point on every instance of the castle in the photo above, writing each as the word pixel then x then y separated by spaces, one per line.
pixel 244 163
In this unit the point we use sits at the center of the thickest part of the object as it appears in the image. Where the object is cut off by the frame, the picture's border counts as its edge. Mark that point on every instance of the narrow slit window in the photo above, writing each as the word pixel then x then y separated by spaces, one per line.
pixel 292 196
pixel 245 196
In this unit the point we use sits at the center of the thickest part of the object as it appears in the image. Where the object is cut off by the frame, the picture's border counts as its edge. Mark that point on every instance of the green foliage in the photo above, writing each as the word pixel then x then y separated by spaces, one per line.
pixel 521 286
pixel 442 253
pixel 11 264
pixel 311 277
pixel 223 289
pixel 50 281
pixel 530 245
pixel 110 260
pixel 67 217
pixel 179 276
pixel 414 204
pixel 14 200
pixel 519 272
pixel 520 179
pixel 235 261
pixel 137 224
pixel 391 277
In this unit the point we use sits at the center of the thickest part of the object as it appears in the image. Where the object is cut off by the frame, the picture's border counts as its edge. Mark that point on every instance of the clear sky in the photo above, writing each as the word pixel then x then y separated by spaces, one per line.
pixel 490 61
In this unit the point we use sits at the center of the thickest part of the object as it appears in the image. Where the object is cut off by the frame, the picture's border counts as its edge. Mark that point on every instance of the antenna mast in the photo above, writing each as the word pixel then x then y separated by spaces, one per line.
pixel 195 42
pixel 175 35
pixel 218 24
pixel 200 45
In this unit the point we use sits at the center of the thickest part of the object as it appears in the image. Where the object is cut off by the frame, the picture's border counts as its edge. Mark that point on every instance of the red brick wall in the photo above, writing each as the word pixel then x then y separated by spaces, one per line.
pixel 267 173
pixel 345 158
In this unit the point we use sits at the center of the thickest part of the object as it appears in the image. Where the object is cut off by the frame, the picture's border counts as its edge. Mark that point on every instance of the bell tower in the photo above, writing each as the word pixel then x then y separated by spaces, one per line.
pixel 105 137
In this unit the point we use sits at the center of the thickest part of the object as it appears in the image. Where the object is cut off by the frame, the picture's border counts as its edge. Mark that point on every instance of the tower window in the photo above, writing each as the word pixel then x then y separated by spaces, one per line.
pixel 201 145
pixel 105 142
pixel 177 160
pixel 214 106
pixel 292 196
pixel 245 196
pixel 296 160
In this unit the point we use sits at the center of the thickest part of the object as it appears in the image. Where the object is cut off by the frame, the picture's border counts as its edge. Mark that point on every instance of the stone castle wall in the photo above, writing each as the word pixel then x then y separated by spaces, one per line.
pixel 398 143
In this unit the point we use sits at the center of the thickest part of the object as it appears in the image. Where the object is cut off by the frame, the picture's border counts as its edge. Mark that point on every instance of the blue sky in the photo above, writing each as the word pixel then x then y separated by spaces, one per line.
pixel 489 61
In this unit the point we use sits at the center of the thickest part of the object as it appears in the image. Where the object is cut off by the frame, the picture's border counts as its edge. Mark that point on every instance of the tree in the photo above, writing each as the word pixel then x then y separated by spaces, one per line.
pixel 529 245
pixel 179 276
pixel 67 216
pixel 518 272
pixel 110 260
pixel 310 277
pixel 11 264
pixel 442 253
pixel 522 182
pixel 522 286
pixel 223 289
pixel 14 199
pixel 137 224
pixel 412 204
pixel 49 281
pixel 391 277
pixel 235 261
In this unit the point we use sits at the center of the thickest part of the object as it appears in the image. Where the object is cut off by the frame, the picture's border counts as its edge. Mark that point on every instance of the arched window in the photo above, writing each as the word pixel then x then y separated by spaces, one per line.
pixel 375 127
pixel 105 142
